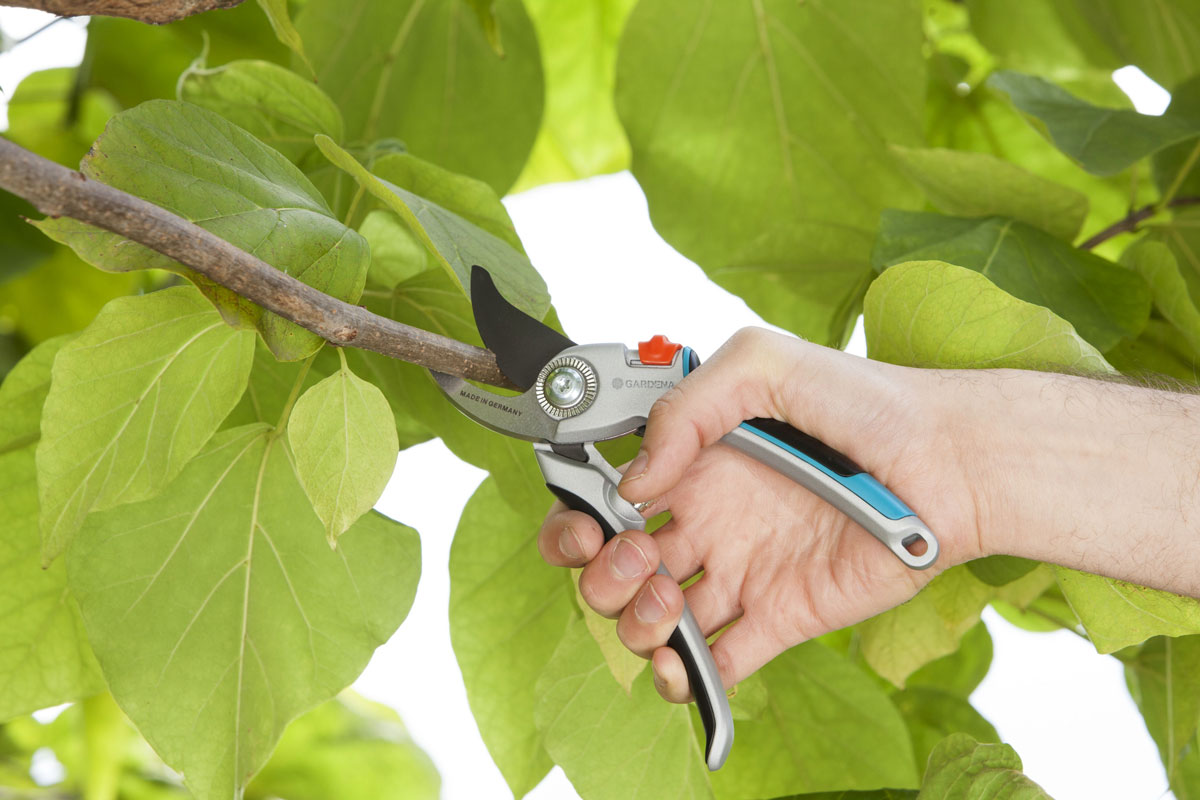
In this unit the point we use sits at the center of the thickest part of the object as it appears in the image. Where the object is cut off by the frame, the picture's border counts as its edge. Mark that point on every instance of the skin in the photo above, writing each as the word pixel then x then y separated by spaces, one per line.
pixel 1090 474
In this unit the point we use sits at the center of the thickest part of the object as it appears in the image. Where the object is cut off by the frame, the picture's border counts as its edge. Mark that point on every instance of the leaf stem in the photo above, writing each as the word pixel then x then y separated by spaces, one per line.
pixel 1180 176
pixel 295 394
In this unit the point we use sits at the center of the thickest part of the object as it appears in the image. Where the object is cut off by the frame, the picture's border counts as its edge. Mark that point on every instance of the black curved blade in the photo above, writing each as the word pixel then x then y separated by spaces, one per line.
pixel 522 344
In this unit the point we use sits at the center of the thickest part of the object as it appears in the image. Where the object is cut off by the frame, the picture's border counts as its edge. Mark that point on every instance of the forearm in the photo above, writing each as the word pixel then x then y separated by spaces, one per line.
pixel 1095 475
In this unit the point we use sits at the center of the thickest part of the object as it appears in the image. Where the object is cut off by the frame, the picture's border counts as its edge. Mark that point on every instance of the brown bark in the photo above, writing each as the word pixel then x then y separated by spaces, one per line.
pixel 59 192
pixel 152 11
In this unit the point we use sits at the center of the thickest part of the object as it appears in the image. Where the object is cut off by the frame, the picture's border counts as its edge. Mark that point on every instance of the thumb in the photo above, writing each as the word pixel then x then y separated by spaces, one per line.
pixel 737 383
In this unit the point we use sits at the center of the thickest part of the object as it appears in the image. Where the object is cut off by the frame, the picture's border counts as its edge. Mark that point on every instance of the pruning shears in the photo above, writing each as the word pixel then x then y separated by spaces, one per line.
pixel 575 395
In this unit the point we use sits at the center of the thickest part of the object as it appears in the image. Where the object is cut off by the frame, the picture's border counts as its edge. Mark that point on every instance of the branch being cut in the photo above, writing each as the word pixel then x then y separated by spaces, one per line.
pixel 153 11
pixel 59 192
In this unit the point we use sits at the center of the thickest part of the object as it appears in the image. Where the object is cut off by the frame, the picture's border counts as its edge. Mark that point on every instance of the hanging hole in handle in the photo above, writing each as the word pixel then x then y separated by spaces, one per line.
pixel 915 544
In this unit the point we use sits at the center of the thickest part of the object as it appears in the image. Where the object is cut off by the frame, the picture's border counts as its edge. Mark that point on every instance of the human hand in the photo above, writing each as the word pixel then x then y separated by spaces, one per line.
pixel 778 562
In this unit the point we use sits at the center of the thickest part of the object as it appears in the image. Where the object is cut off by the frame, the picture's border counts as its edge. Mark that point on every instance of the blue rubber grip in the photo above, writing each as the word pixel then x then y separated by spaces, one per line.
pixel 821 456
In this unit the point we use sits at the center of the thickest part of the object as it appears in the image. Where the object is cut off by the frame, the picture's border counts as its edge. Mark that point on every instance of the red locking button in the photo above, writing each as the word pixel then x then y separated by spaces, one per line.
pixel 659 351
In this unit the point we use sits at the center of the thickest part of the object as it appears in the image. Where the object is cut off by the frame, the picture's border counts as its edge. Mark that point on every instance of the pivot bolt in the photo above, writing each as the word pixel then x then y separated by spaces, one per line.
pixel 565 387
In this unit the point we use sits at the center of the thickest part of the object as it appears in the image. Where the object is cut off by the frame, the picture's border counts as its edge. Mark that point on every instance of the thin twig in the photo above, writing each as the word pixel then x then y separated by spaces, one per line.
pixel 1129 222
pixel 59 192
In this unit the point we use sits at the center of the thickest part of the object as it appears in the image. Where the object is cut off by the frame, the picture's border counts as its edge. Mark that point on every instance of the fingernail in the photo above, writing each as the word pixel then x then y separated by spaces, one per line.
pixel 649 607
pixel 628 560
pixel 569 544
pixel 636 468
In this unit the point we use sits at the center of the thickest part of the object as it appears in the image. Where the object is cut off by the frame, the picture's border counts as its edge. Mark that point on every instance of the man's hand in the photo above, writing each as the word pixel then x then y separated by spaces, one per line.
pixel 779 563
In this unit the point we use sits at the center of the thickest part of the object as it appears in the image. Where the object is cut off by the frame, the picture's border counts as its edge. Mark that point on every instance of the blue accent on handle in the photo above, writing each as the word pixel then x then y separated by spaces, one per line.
pixel 687 360
pixel 871 491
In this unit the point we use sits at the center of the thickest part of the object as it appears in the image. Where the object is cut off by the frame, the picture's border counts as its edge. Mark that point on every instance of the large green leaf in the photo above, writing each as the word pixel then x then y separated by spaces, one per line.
pixel 23 393
pixel 1161 38
pixel 930 313
pixel 347 748
pixel 758 132
pixel 1104 301
pixel 965 184
pixel 580 134
pixel 24 247
pixel 132 399
pixel 423 71
pixel 932 714
pixel 898 642
pixel 344 443
pixel 275 104
pixel 45 658
pixel 1116 614
pixel 827 726
pixel 431 302
pixel 1162 680
pixel 198 165
pixel 963 670
pixel 1103 140
pixel 612 744
pixel 1156 264
pixel 223 596
pixel 508 611
pixel 459 238
pixel 963 769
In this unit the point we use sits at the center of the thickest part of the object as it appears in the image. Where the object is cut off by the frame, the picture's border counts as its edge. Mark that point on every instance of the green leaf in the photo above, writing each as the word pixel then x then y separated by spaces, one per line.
pixel 932 714
pixel 1001 570
pixel 349 748
pixel 1160 350
pixel 344 445
pixel 983 120
pixel 285 31
pixel 459 242
pixel 624 665
pixel 396 253
pixel 508 611
pixel 932 314
pixel 580 134
pixel 758 133
pixel 51 116
pixel 1160 38
pixel 64 283
pixel 981 185
pixel 1162 680
pixel 423 71
pixel 827 726
pixel 1103 141
pixel 1116 614
pixel 276 105
pixel 1104 301
pixel 196 164
pixel 964 769
pixel 132 399
pixel 959 672
pixel 138 62
pixel 272 382
pixel 613 745
pixel 23 393
pixel 45 658
pixel 876 794
pixel 24 247
pixel 1158 267
pixel 1049 612
pixel 898 642
pixel 222 596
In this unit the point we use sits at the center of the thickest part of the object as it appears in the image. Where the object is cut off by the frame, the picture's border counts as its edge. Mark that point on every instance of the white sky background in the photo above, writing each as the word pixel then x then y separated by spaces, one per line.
pixel 1063 707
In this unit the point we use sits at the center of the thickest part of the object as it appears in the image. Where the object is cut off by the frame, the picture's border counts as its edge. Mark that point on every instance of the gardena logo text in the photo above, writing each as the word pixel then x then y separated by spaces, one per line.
pixel 645 383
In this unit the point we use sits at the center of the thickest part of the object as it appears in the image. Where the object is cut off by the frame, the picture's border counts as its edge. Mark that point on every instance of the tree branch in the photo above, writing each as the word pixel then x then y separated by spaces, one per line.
pixel 152 11
pixel 1130 221
pixel 59 192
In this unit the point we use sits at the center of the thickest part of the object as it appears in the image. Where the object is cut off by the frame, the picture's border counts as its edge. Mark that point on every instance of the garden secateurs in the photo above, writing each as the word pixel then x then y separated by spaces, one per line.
pixel 575 395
